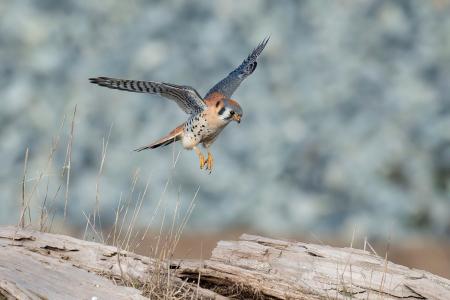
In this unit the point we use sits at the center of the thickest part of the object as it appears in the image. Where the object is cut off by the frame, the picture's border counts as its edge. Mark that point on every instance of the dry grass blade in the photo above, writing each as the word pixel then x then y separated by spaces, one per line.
pixel 90 225
pixel 28 198
pixel 385 268
pixel 96 211
pixel 47 210
pixel 68 161
pixel 22 204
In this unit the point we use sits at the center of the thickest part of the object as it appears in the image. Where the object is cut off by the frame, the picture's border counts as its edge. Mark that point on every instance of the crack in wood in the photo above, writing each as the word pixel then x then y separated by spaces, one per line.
pixel 18 238
pixel 419 296
pixel 309 252
pixel 273 245
pixel 377 291
pixel 224 286
pixel 54 248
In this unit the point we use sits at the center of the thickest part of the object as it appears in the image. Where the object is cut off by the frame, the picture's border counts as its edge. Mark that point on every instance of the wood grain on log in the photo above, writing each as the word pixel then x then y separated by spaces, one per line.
pixel 35 265
pixel 46 266
pixel 293 270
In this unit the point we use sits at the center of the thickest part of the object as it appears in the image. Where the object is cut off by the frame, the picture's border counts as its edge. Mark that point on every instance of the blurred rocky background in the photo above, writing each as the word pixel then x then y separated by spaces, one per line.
pixel 346 122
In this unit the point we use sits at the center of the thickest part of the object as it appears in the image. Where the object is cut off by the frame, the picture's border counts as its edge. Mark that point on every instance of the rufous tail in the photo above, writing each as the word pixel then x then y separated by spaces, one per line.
pixel 173 136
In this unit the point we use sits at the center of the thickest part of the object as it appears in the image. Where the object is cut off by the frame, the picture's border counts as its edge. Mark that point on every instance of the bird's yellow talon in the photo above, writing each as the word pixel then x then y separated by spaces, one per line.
pixel 202 161
pixel 201 157
pixel 209 162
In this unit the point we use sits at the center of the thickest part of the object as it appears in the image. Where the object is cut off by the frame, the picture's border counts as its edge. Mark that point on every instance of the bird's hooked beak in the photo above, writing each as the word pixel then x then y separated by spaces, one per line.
pixel 237 118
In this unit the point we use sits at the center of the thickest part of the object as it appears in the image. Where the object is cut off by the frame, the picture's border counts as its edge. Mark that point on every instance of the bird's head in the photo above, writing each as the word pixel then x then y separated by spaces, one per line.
pixel 229 110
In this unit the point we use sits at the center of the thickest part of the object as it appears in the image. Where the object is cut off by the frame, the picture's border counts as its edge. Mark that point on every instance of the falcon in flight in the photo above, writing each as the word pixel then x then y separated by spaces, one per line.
pixel 208 116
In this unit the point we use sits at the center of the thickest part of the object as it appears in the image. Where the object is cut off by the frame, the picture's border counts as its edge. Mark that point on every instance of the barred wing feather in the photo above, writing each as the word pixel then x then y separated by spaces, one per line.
pixel 185 96
pixel 229 84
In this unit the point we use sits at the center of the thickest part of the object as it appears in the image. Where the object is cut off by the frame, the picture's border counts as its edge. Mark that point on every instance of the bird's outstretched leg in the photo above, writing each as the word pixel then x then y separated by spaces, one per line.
pixel 209 161
pixel 200 156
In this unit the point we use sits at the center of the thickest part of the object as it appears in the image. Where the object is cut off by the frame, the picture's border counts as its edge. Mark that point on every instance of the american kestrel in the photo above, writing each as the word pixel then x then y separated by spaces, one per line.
pixel 208 116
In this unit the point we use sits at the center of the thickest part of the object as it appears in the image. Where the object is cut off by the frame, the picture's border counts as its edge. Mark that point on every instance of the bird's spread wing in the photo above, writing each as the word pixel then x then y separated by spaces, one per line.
pixel 185 96
pixel 229 84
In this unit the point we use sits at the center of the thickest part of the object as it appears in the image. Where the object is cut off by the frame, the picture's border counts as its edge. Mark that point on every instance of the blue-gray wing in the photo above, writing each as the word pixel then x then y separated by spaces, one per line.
pixel 229 84
pixel 185 96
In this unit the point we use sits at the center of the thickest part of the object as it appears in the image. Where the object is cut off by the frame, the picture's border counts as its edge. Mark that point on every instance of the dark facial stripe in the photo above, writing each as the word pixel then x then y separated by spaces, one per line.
pixel 222 110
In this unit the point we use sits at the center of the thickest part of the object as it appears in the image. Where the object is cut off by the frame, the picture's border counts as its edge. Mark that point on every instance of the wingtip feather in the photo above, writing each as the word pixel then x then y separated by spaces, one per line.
pixel 97 80
pixel 265 41
pixel 261 45
pixel 142 148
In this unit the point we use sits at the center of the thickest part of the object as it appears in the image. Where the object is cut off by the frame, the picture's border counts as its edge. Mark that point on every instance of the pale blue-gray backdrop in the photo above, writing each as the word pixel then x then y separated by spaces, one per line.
pixel 346 119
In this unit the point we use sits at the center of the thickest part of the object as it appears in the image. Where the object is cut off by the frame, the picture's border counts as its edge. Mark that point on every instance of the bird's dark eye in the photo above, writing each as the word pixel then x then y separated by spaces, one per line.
pixel 222 110
pixel 231 113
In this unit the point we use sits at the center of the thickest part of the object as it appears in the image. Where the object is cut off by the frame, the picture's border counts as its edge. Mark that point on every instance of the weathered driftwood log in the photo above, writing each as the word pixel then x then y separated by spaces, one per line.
pixel 265 267
pixel 36 265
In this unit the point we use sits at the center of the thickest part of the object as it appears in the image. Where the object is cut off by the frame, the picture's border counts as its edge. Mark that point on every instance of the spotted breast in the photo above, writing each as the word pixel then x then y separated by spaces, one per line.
pixel 195 129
